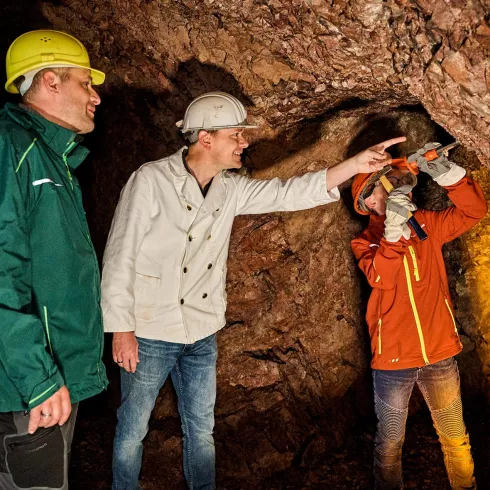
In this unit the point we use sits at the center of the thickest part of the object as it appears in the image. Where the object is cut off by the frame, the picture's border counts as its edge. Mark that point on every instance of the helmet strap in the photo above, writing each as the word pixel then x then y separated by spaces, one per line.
pixel 29 77
pixel 27 82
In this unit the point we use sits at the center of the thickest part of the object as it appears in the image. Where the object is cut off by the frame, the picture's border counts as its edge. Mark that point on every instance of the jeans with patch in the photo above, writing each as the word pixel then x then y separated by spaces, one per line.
pixel 39 461
pixel 440 386
pixel 192 368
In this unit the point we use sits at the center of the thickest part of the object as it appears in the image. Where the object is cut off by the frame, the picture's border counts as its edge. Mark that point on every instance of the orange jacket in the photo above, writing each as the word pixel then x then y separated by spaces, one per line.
pixel 409 315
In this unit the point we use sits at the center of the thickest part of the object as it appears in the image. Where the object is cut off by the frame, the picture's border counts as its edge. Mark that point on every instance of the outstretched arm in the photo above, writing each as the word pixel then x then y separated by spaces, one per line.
pixel 309 190
pixel 367 161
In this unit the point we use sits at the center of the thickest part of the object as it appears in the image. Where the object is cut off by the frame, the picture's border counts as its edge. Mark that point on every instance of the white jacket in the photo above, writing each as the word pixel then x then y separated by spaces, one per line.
pixel 164 271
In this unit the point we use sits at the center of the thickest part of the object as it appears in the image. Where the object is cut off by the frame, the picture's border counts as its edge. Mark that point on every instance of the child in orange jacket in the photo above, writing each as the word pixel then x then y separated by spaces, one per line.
pixel 410 318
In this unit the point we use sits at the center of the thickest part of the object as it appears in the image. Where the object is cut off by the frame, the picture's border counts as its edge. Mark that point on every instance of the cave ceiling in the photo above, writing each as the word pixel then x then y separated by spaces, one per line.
pixel 292 60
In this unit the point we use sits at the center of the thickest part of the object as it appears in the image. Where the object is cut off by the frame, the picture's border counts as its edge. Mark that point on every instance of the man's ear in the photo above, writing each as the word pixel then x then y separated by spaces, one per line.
pixel 204 139
pixel 51 82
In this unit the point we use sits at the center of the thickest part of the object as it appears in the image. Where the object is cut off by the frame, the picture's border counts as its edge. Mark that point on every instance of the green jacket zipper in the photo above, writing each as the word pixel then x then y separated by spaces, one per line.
pixel 72 144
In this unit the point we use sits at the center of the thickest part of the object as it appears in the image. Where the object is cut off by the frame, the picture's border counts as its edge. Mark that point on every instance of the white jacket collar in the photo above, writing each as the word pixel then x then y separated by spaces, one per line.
pixel 188 188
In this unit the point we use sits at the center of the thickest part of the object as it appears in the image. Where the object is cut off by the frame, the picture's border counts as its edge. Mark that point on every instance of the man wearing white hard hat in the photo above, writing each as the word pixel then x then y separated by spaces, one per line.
pixel 164 275
pixel 51 336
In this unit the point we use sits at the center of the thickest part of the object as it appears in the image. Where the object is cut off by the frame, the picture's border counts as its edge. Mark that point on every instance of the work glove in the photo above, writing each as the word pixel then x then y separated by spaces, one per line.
pixel 443 171
pixel 398 207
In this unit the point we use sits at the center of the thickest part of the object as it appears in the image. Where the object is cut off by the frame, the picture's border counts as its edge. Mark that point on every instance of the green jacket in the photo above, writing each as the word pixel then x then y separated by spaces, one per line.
pixel 50 319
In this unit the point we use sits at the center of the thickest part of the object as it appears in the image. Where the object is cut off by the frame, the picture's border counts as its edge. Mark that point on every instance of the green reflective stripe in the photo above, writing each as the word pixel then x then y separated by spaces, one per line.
pixel 66 162
pixel 42 394
pixel 25 154
pixel 47 328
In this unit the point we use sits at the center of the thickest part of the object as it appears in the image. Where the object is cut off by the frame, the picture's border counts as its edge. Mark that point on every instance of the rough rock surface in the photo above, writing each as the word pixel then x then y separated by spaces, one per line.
pixel 296 59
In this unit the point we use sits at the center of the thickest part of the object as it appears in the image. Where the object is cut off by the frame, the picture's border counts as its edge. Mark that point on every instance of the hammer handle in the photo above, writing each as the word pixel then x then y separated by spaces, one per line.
pixel 412 221
pixel 411 218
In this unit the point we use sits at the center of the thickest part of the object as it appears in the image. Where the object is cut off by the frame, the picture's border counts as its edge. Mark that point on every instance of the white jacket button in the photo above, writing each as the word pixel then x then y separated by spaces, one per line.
pixel 210 265
pixel 190 238
pixel 182 301
pixel 205 295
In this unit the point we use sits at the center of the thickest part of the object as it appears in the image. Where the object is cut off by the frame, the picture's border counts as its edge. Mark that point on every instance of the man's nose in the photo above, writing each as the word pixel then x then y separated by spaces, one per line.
pixel 94 96
pixel 242 142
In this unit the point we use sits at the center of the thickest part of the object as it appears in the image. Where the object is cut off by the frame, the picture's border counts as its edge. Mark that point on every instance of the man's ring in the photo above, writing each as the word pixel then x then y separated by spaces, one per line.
pixel 119 362
pixel 45 415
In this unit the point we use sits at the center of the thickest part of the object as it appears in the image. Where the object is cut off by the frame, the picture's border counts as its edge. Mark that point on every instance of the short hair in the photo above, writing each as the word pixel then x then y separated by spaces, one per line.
pixel 193 136
pixel 63 73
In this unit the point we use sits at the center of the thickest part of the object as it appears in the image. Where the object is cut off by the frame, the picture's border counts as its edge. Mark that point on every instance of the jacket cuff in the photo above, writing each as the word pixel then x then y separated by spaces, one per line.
pixel 113 321
pixel 333 194
pixel 118 328
pixel 44 390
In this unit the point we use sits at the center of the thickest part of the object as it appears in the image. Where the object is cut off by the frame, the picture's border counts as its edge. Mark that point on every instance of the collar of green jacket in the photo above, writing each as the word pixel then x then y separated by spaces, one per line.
pixel 61 140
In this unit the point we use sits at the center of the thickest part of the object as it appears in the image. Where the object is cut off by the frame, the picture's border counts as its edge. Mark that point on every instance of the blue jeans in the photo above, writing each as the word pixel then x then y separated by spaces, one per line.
pixel 439 384
pixel 193 371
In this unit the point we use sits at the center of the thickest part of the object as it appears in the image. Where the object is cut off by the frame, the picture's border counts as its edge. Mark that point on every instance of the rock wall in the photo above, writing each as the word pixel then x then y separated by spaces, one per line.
pixel 296 59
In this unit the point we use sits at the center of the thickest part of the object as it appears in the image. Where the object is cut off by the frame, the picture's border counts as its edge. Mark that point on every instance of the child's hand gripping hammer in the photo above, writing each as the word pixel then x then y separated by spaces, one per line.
pixel 410 164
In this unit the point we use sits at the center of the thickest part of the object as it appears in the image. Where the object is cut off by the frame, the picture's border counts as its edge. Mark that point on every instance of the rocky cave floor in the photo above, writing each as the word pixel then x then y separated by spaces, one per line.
pixel 350 467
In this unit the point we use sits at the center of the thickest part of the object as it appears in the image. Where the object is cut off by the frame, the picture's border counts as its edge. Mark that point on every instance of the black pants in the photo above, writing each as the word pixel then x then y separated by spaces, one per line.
pixel 38 460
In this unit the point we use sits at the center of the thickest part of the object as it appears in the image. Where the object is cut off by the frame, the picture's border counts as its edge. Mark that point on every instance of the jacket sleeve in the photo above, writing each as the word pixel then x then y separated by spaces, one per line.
pixel 380 263
pixel 469 207
pixel 24 352
pixel 267 196
pixel 129 226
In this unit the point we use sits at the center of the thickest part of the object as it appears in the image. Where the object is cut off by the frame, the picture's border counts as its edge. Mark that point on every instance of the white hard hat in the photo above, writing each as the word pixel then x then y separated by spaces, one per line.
pixel 214 110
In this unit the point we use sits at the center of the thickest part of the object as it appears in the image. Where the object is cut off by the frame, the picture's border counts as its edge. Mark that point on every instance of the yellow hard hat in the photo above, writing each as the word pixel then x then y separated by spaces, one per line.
pixel 43 49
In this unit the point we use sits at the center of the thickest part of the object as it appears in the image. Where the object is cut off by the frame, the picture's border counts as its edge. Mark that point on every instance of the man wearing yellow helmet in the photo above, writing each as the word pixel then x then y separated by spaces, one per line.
pixel 51 327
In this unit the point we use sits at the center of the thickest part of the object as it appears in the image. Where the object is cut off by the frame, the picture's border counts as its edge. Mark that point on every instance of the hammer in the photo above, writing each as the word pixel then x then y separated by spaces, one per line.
pixel 412 167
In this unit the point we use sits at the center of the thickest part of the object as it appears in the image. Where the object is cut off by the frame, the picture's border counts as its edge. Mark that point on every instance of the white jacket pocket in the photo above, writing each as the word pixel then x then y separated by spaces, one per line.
pixel 146 289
